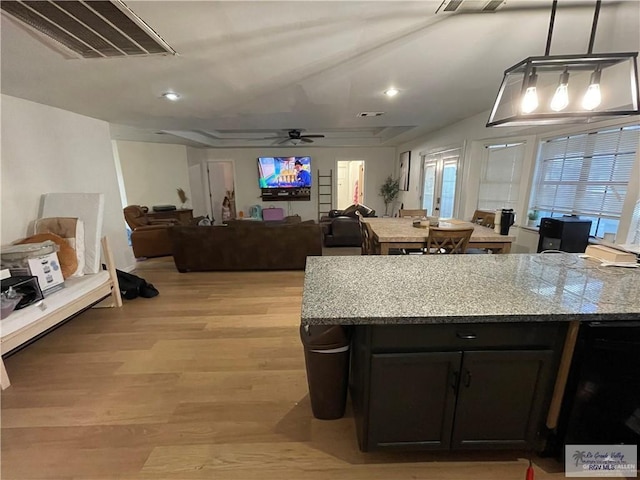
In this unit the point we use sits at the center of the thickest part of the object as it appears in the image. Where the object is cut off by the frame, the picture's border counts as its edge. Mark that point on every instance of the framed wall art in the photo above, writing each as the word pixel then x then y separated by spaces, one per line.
pixel 405 168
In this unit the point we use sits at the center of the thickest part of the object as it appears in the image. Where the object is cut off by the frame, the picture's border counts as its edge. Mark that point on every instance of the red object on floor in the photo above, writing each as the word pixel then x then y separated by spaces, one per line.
pixel 530 474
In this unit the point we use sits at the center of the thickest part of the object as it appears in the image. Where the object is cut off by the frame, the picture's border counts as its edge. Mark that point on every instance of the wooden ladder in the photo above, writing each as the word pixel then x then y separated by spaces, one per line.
pixel 325 193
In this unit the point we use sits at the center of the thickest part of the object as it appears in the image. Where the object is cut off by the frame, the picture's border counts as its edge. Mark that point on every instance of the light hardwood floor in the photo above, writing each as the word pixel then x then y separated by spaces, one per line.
pixel 205 381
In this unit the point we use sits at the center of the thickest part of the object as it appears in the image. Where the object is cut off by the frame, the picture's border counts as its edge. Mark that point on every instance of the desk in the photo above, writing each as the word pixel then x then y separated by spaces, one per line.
pixel 400 233
pixel 183 215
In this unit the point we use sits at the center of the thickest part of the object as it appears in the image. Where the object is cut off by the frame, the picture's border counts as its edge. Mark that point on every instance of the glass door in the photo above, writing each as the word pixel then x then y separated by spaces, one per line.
pixel 429 189
pixel 440 180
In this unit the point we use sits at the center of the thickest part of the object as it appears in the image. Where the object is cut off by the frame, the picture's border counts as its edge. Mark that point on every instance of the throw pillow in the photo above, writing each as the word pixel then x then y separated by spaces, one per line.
pixel 66 254
pixel 72 230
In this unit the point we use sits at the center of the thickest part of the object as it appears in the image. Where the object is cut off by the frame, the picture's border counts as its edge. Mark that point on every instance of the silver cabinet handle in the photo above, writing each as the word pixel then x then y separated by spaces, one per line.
pixel 467 378
pixel 465 336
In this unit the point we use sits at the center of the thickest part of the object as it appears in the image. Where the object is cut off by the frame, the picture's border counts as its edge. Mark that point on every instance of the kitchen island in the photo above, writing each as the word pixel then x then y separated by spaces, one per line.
pixel 462 351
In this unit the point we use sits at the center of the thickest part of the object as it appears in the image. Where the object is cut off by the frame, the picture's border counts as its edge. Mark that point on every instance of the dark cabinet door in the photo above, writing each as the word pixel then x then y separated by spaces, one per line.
pixel 500 398
pixel 412 399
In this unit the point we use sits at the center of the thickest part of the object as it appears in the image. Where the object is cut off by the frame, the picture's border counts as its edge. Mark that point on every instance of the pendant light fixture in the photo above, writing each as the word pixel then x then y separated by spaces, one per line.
pixel 560 89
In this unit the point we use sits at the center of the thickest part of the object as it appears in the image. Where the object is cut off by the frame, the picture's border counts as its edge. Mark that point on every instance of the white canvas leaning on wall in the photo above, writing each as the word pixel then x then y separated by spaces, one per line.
pixel 405 170
pixel 89 207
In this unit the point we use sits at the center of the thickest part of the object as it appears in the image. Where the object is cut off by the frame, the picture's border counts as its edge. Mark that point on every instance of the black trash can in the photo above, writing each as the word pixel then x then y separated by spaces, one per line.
pixel 326 354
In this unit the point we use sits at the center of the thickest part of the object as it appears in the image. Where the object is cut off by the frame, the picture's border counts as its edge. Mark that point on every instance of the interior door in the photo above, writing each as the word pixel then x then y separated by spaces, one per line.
pixel 221 176
pixel 342 186
pixel 440 177
pixel 350 183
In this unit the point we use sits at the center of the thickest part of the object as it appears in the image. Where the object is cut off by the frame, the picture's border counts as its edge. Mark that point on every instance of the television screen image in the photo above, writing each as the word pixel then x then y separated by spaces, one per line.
pixel 284 172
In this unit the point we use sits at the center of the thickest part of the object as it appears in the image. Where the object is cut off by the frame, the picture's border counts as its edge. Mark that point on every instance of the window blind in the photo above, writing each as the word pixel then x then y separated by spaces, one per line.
pixel 586 174
pixel 634 231
pixel 500 176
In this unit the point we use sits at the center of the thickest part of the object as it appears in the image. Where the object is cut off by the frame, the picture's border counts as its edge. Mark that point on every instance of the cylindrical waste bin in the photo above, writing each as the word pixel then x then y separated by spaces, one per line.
pixel 326 354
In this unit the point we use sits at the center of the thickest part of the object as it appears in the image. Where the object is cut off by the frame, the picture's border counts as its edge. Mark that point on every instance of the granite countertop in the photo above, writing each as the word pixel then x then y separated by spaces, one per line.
pixel 402 230
pixel 414 289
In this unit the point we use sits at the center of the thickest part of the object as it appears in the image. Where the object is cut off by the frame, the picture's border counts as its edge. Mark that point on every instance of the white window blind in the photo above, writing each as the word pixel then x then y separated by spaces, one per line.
pixel 634 231
pixel 500 176
pixel 586 174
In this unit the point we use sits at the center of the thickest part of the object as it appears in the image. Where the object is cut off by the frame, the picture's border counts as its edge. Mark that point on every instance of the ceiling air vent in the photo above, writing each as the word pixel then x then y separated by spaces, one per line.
pixel 370 114
pixel 448 6
pixel 90 29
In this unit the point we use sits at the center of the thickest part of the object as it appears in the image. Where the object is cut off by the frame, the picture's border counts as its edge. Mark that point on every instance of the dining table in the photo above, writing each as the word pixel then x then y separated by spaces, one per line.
pixel 395 232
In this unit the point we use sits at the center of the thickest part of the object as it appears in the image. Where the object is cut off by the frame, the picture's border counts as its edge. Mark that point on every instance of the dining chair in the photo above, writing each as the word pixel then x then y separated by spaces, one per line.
pixel 413 213
pixel 448 240
pixel 484 218
pixel 370 246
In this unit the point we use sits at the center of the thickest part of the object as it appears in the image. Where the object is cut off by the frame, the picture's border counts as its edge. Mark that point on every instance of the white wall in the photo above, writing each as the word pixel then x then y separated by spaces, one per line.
pixel 472 134
pixel 379 162
pixel 153 172
pixel 44 150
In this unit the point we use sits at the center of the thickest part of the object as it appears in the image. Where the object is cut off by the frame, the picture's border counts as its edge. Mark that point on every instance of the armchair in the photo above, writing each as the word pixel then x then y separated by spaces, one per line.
pixel 149 238
pixel 342 227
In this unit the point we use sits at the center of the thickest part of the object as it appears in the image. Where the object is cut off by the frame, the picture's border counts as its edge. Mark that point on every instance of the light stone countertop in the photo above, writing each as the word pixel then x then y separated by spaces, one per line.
pixel 402 230
pixel 415 289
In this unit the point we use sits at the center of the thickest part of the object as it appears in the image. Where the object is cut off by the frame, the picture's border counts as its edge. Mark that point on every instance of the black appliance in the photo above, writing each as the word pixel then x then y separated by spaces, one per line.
pixel 568 234
pixel 507 218
pixel 601 405
pixel 26 286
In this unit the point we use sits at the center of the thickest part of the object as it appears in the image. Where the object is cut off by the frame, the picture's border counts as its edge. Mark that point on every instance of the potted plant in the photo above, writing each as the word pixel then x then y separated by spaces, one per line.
pixel 533 217
pixel 389 191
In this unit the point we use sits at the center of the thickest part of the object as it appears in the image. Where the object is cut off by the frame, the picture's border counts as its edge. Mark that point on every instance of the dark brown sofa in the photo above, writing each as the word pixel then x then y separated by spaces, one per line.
pixel 246 245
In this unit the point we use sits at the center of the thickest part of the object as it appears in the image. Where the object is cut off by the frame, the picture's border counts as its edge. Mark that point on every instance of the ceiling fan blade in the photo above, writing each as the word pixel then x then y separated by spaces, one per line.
pixel 284 140
pixel 305 139
pixel 314 136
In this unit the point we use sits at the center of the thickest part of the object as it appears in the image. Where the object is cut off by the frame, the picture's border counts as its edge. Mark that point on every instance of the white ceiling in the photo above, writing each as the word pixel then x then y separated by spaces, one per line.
pixel 248 70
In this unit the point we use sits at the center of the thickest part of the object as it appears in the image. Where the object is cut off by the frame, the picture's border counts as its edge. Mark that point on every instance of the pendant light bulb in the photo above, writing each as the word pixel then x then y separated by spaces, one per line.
pixel 560 99
pixel 593 97
pixel 530 99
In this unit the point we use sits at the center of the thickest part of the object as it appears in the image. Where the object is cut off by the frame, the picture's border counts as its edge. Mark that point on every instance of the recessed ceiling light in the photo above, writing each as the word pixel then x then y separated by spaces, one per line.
pixel 391 92
pixel 171 96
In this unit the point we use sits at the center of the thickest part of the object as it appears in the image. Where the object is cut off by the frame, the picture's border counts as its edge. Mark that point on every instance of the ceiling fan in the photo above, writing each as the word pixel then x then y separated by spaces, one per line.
pixel 295 137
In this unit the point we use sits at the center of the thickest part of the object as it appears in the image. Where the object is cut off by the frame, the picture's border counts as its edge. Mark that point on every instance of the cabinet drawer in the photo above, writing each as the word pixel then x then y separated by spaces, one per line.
pixel 461 336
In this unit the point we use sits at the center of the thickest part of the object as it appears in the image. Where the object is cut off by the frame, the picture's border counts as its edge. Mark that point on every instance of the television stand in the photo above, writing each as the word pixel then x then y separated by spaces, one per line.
pixel 286 194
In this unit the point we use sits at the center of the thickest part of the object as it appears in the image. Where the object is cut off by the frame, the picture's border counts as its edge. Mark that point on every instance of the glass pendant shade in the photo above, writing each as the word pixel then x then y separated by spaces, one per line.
pixel 601 86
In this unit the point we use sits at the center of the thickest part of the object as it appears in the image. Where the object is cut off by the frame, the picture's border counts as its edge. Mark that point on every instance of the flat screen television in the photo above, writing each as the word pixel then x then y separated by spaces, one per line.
pixel 284 172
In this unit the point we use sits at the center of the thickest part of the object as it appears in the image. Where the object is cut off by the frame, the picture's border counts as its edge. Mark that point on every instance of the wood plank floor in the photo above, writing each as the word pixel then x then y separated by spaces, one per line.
pixel 205 381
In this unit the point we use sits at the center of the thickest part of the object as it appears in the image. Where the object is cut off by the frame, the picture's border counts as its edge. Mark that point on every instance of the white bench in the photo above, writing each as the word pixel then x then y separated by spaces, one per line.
pixel 79 294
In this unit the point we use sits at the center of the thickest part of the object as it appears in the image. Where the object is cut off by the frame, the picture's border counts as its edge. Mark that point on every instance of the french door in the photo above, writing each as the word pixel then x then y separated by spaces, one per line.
pixel 440 173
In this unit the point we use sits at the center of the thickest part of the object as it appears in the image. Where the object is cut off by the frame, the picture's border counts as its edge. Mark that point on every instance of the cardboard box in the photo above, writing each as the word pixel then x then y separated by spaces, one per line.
pixel 610 254
pixel 47 269
pixel 35 259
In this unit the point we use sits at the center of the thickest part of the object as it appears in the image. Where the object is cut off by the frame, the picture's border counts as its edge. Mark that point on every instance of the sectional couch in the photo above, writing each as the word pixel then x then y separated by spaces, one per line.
pixel 245 245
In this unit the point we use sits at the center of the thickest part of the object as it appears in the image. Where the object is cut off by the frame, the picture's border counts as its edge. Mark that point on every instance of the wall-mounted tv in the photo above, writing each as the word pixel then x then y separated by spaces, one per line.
pixel 284 172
